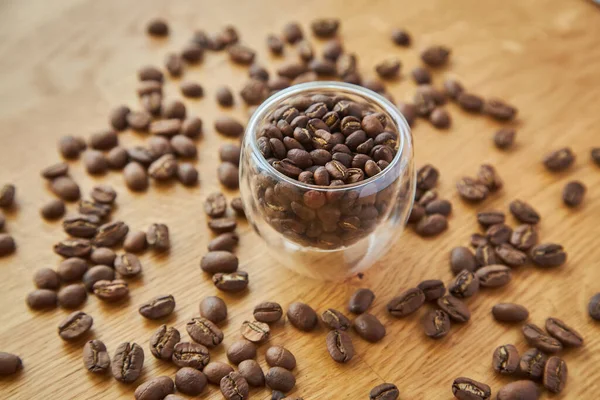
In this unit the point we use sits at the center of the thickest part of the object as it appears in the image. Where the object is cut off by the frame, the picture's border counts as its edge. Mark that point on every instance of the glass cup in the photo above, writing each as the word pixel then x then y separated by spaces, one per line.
pixel 327 232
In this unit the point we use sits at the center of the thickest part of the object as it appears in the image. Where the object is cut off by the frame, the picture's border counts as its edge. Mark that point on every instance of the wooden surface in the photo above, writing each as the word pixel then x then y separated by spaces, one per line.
pixel 64 63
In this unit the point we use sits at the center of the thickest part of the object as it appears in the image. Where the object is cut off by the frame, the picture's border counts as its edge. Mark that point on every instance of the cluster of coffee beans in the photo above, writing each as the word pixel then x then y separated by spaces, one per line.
pixel 429 214
pixel 561 160
pixel 7 198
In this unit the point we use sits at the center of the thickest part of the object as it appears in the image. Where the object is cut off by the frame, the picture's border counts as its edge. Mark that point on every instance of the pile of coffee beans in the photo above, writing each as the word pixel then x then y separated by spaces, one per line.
pixel 429 213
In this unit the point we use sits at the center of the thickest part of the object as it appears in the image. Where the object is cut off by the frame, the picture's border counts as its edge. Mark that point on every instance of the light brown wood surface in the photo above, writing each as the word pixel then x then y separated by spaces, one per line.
pixel 64 64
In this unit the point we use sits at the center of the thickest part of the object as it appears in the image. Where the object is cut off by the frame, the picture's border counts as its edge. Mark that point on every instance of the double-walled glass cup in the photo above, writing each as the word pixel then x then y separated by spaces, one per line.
pixel 327 232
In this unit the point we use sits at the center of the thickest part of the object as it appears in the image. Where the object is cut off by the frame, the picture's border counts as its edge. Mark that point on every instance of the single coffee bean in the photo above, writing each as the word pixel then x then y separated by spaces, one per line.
pixel 163 341
pixel 228 175
pixel 128 265
pixel 559 160
pixel 72 269
pixel 500 110
pixel 252 372
pixel 154 389
pixel 431 225
pixel 489 218
pixel 46 278
pixel 360 301
pixel 75 325
pixel 157 27
pixel 174 65
pixel 97 273
pixel 470 102
pixel 192 127
pixel 190 381
pixel 222 225
pixel 69 248
pixel 228 126
pixel 83 226
pixel 493 276
pixel 561 331
pixel 275 44
pixel 440 118
pixel 234 387
pixel 118 117
pixel 174 109
pixel 524 237
pixel 152 104
pixel 187 174
pixel 292 32
pixel 436 324
pixel 456 309
pixel 241 350
pixel 486 255
pixel 498 234
pixel 488 176
pixel 469 389
pixel 238 206
pixel 225 241
pixel 305 50
pixel 219 261
pixel 103 194
pixel 281 379
pixel 255 331
pixel 532 364
pixel 55 170
pixel 93 209
pixel 461 258
pixel 548 255
pixel 504 138
pixel 302 316
pixel 453 88
pixel 117 158
pixel 339 345
pixel 127 362
pixel 509 312
pixel 215 205
pixel 421 75
pixel 140 120
pixel 471 190
pixel 510 255
pixel 325 27
pixel 191 89
pixel 158 307
pixel 65 188
pixel 536 337
pixel 157 237
pixel 214 309
pixel 369 327
pixel 184 146
pixel 406 303
pixel 506 359
pixel 435 56
pixel 335 319
pixel 95 357
pixel 110 234
pixel 53 209
pixel 141 155
pixel 555 374
pixel 230 152
pixel 388 68
pixel 203 331
pixel 428 197
pixel 42 299
pixel 279 356
pixel 439 206
pixel 224 96
pixel 104 140
pixel 216 370
pixel 465 284
pixel 231 282
pixel 136 177
pixel 193 355
pixel 519 390
pixel 111 291
pixel 268 312
pixel 70 146
pixel 103 256
pixel 433 289
pixel 385 391
pixel 72 296
pixel 573 193
pixel 135 242
pixel 164 168
pixel 409 112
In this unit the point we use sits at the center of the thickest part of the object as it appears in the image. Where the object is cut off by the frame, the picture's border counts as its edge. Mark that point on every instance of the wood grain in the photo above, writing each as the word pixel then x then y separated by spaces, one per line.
pixel 64 64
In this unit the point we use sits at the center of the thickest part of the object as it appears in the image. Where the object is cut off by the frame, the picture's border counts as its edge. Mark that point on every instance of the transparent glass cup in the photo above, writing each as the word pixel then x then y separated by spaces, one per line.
pixel 327 232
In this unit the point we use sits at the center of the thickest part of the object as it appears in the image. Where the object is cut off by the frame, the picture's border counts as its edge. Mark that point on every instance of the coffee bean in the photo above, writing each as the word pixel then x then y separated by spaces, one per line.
pixel 174 109
pixel 465 284
pixel 128 265
pixel 489 218
pixel 72 269
pixel 163 341
pixel 519 390
pixel 232 282
pixel 498 234
pixel 536 337
pixel 190 381
pixel 388 68
pixel 431 225
pixel 456 309
pixel 75 326
pixel 187 174
pixel 166 128
pixel 439 206
pixel 325 27
pixel 524 237
pixel 493 276
pixel 192 53
pixel 428 197
pixel 103 194
pixel 532 364
pixel 216 370
pixel 222 225
pixel 275 44
pixel 97 273
pixel 471 190
pixel 139 120
pixel 136 177
pixel 499 110
pixel 225 241
pixel 279 356
pixel 46 278
pixel 65 188
pixel 406 303
pixel 573 193
pixel 461 258
pixel 110 234
pixel 305 50
pixel 332 50
pixel 156 388
pixel 548 255
pixel 433 289
pixel 103 256
pixel 93 209
pixel 506 359
pixel 504 138
pixel 424 103
pixel 470 102
pixel 117 158
pixel 385 391
pixel 302 316
pixel 95 357
pixel 559 160
pixel 54 171
pixel 203 331
pixel 228 175
pixel 486 255
pixel 70 146
pixel 251 371
pixel 555 374
pixel 83 226
pixel 510 255
pixel 241 350
pixel 440 118
pixel 268 312
pixel 191 89
pixel 145 89
pixel 335 319
pixel 234 387
pixel 421 75
pixel 488 176
pixel 228 126
pixel 111 291
pixel 509 312
pixel 215 205
pixel 254 92
pixel 174 64
pixel 192 127
pixel 469 389
pixel 281 379
pixel 219 261
pixel 408 111
pixel 158 307
pixel 561 331
pixel 339 345
pixel 224 96
pixel 436 324
pixel 193 355
pixel 135 242
pixel 184 146
pixel 230 152
pixel 152 103
pixel 157 237
pixel 360 301
pixel 369 327
pixel 53 209
pixel 127 362
pixel 157 27
pixel 66 248
pixel 104 140
pixel 258 72
pixel 255 331
pixel 435 56
pixel 42 299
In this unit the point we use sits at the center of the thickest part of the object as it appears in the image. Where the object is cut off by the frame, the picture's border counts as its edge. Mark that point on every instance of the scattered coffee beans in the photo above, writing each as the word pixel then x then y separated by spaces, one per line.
pixel 536 337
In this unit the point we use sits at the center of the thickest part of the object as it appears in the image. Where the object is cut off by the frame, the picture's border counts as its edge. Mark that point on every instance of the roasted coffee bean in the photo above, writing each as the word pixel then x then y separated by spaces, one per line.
pixel 254 92
pixel 440 118
pixel 252 372
pixel 94 209
pixel 275 44
pixel 323 67
pixel 187 174
pixel 595 153
pixel 279 356
pixel 510 255
pixel 258 72
pixel 224 96
pixel 103 256
pixel 157 237
pixel 95 357
pixel 428 197
pixel 281 379
pixel 548 255
pixel 488 176
pixel 325 27
pixel 46 278
pixel 53 209
pixel 456 309
pixel 75 326
pixel 193 355
pixel 500 110
pixel 97 273
pixel 104 140
pixel 360 301
pixel 305 50
pixel 184 147
pixel 192 127
pixel 573 193
pixel 339 345
pixel 493 275
pixel 241 350
pixel 536 337
pixel 127 362
pixel 72 269
pixel 465 284
pixel 469 389
pixel 504 138
pixel 421 75
pixel 190 381
pixel 561 331
pixel 470 102
pixel 406 303
pixel 118 118
pixel 302 316
pixel 222 225
pixel 70 146
pixel 135 242
pixel 486 255
pixel 191 89
pixel 519 390
pixel 388 68
pixel 427 177
pixel 335 319
pixel 228 175
pixel 453 88
pixel 152 104
pixel 238 206
pixel 230 152
pixel 174 109
pixel 461 258
pixel 128 265
pixel 216 370
pixel 54 171
pixel 65 188
pixel 332 50
pixel 163 341
pixel 225 241
pixel 110 234
pixel 409 111
pixel 268 312
pixel 555 374
pixel 157 27
pixel 369 327
pixel 471 190
pixel 166 128
pixel 489 218
pixel 215 205
pixel 431 225
pixel 117 158
pixel 83 226
pixel 139 120
pixel 42 299
pixel 136 177
pixel 232 282
pixel 436 324
pixel 292 69
pixel 433 289
pixel 156 388
pixel 234 387
pixel 532 364
pixel 559 160
pixel 255 331
pixel 192 53
pixel 439 206
pixel 70 248
pixel 174 65
pixel 103 194
pixel 509 312
pixel 498 234
pixel 374 84
pixel 219 261
pixel 385 391
pixel 506 359
pixel 524 237
pixel 205 332
pixel 111 291
pixel 158 307
pixel 292 32
pixel 435 56
pixel 214 309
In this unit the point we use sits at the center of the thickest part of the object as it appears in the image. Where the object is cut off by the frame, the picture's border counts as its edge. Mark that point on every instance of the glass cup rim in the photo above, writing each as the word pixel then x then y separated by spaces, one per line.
pixel 391 109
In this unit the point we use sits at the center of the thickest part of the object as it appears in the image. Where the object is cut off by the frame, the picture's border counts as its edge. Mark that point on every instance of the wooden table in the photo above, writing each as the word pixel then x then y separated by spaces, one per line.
pixel 65 64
